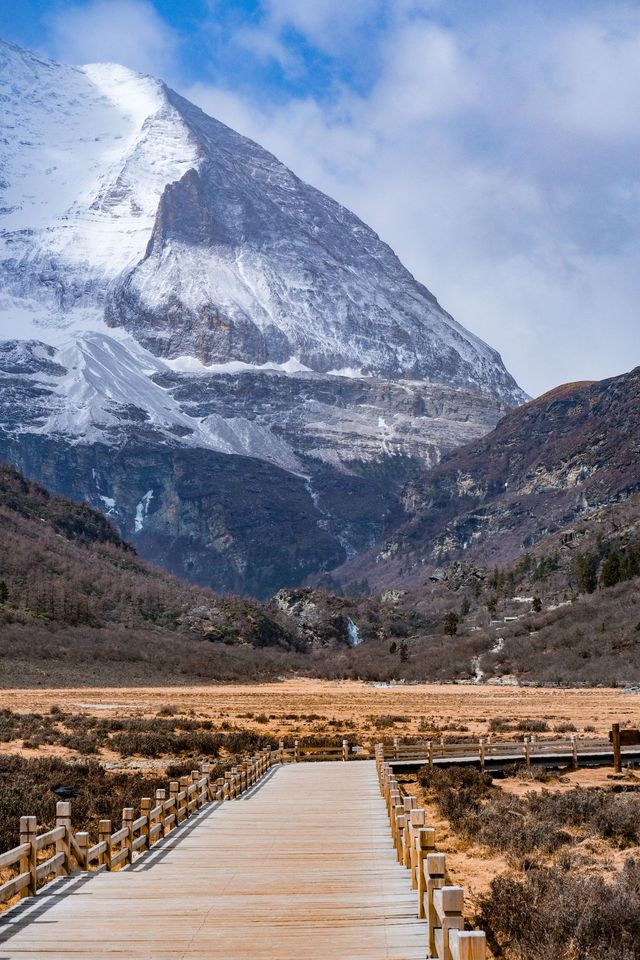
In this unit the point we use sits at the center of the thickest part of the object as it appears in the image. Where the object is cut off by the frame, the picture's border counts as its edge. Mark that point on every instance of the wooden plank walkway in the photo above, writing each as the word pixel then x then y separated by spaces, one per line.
pixel 302 866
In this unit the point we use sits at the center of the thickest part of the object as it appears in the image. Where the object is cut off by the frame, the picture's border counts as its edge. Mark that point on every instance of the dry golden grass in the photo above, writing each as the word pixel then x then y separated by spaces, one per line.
pixel 360 711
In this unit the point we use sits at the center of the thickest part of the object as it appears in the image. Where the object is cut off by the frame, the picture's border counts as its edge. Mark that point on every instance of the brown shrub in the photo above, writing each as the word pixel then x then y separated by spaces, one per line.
pixel 550 912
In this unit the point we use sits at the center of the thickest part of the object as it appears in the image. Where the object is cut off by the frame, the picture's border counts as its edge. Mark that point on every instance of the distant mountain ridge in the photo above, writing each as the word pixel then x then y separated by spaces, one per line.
pixel 171 293
pixel 548 465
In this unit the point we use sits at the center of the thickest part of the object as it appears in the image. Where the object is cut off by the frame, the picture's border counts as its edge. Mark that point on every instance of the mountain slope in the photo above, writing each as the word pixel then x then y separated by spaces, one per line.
pixel 76 602
pixel 553 462
pixel 170 293
pixel 79 608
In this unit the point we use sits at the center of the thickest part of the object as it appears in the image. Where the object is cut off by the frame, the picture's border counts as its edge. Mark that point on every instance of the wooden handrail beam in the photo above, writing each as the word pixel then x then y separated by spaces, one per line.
pixel 19 885
pixel 49 838
pixel 52 865
pixel 11 857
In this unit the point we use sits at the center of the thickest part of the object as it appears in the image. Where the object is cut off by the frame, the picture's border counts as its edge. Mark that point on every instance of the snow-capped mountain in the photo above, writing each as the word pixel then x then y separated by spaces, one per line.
pixel 167 284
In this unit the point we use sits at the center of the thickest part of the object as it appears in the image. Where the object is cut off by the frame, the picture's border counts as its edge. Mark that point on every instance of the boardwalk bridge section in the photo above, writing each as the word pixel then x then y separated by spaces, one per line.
pixel 279 859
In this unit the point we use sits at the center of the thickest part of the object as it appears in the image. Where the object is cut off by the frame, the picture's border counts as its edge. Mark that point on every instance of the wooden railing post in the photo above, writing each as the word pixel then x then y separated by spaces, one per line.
pixel 161 798
pixel 481 753
pixel 435 869
pixel 281 751
pixel 345 750
pixel 127 820
pixel 63 819
pixel 205 771
pixel 400 822
pixel 430 753
pixel 195 777
pixel 145 811
pixel 449 909
pixel 104 836
pixel 469 944
pixel 425 845
pixel 395 806
pixel 617 757
pixel 574 751
pixel 527 752
pixel 228 782
pixel 409 804
pixel 219 789
pixel 396 747
pixel 83 843
pixel 184 787
pixel 296 751
pixel 174 790
pixel 28 827
pixel 416 823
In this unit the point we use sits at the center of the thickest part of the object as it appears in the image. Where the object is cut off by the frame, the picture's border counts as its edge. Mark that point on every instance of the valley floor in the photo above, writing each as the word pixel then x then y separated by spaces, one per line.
pixel 359 711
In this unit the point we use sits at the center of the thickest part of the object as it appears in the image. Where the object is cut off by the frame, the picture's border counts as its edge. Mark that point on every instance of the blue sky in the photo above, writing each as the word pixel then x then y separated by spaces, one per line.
pixel 493 144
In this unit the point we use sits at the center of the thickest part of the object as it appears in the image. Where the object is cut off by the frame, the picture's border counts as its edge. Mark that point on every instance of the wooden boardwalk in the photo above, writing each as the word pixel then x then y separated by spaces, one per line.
pixel 302 866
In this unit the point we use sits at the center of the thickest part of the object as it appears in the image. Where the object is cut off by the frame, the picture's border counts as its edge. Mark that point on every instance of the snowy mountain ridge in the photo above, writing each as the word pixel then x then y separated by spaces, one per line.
pixel 169 224
pixel 86 154
pixel 226 361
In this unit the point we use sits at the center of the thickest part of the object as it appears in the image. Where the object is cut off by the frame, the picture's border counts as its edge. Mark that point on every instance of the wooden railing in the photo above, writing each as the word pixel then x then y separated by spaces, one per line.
pixel 441 904
pixel 485 749
pixel 299 754
pixel 69 852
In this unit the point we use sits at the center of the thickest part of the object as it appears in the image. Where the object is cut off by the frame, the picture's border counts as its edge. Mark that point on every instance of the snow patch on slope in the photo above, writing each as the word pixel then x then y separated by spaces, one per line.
pixel 142 509
pixel 85 155
pixel 108 382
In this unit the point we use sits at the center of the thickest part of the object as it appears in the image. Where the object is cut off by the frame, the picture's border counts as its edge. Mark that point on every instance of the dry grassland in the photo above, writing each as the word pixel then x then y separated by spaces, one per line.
pixel 303 707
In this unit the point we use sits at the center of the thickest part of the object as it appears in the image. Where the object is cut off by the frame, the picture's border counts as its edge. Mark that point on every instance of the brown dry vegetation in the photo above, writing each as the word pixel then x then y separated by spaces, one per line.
pixel 364 712
pixel 565 861
pixel 78 607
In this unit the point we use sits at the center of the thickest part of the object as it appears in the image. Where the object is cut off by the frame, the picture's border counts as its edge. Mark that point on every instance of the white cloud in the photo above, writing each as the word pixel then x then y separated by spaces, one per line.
pixel 424 77
pixel 326 24
pixel 130 32
pixel 595 81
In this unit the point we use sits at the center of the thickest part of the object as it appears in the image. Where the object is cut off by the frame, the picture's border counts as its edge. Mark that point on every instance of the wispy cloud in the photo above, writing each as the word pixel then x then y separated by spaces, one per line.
pixel 130 32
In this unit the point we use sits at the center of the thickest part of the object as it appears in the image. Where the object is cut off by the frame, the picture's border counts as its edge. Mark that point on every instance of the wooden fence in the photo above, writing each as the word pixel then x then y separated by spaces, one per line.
pixel 486 749
pixel 441 904
pixel 299 754
pixel 41 858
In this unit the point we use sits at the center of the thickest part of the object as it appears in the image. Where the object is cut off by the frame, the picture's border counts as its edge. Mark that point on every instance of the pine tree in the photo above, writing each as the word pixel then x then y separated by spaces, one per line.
pixel 450 624
pixel 610 573
pixel 585 568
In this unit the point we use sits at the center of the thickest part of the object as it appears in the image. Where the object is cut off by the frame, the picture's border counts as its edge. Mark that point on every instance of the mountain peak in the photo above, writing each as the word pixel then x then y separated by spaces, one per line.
pixel 167 223
pixel 232 366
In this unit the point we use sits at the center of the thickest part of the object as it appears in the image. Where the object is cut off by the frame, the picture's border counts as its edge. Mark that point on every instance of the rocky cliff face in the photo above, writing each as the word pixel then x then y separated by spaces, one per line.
pixel 227 362
pixel 548 465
